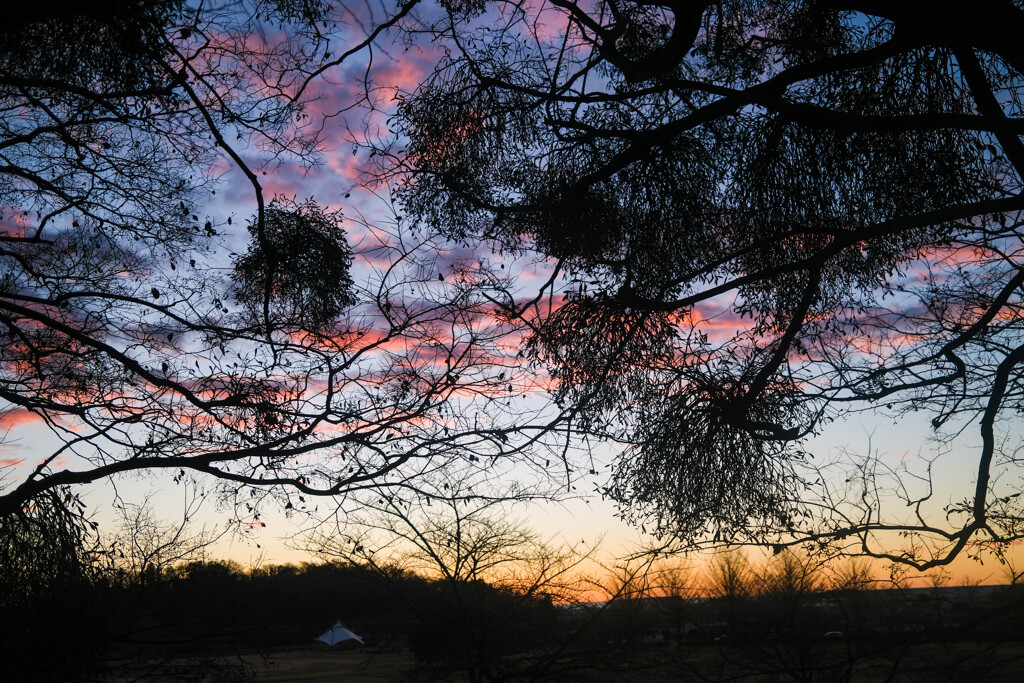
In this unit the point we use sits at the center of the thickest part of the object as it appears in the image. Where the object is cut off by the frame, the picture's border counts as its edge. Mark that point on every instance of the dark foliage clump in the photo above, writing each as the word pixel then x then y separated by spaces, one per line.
pixel 48 625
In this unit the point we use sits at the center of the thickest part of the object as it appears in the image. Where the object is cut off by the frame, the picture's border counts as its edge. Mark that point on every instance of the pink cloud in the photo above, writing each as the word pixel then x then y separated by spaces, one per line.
pixel 16 417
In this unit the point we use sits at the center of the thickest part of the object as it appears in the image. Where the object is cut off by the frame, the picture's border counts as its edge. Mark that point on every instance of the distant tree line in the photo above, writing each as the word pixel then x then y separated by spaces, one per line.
pixel 730 620
pixel 459 588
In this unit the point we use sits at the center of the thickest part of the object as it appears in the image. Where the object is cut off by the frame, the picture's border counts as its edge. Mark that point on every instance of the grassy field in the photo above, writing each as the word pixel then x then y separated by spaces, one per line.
pixel 285 666
pixel 307 666
pixel 993 662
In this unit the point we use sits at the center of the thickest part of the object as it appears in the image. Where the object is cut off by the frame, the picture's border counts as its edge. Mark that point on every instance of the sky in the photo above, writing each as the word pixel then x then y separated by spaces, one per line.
pixel 903 442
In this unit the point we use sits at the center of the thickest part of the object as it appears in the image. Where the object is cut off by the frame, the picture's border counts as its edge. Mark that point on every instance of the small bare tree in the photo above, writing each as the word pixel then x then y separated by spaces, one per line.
pixel 728 575
pixel 496 582
pixel 146 544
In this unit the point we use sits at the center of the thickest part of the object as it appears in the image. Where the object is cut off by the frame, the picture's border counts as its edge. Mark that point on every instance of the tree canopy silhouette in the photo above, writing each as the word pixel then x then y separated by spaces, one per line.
pixel 131 326
pixel 770 214
pixel 749 219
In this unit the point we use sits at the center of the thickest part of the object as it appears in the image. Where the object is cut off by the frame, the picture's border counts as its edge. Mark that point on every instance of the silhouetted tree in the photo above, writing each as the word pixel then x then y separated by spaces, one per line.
pixel 131 330
pixel 490 608
pixel 47 575
pixel 145 546
pixel 762 215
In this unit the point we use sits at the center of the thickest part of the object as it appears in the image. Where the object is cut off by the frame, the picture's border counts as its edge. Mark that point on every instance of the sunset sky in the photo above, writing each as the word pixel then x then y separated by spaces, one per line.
pixel 352 126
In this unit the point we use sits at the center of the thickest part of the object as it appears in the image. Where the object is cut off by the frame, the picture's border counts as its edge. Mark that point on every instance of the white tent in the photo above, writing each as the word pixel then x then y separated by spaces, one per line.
pixel 338 633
